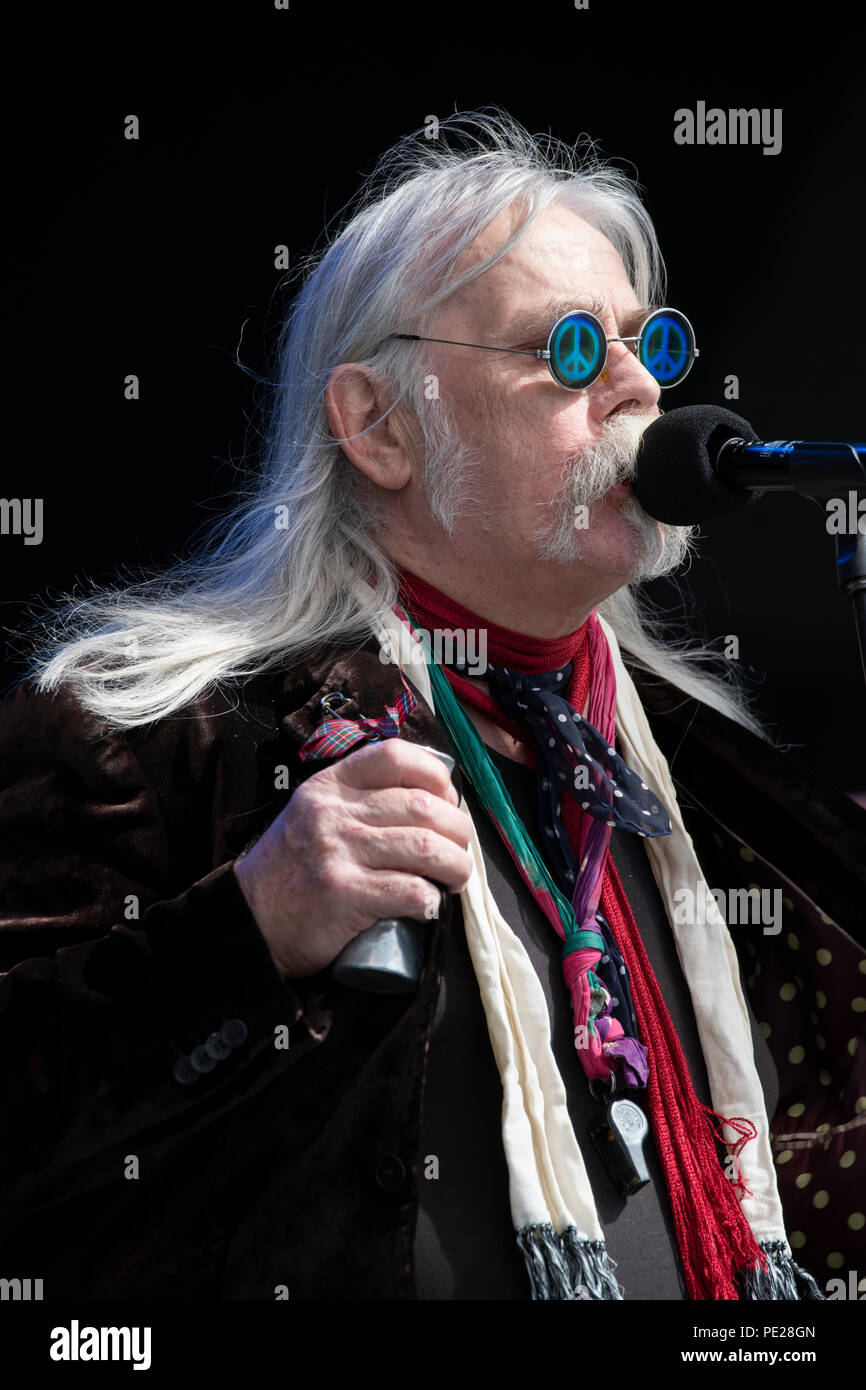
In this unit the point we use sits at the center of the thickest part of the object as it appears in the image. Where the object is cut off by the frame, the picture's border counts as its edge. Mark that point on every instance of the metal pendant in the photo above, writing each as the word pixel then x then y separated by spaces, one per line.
pixel 618 1134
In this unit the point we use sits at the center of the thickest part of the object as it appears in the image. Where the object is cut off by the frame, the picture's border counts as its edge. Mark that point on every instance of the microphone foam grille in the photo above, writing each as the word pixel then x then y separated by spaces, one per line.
pixel 676 481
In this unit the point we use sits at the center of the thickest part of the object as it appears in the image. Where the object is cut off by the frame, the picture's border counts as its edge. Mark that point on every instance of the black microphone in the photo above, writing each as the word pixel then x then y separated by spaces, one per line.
pixel 702 461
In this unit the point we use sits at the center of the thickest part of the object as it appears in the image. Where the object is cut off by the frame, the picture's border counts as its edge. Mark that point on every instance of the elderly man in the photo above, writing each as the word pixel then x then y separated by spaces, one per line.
pixel 214 784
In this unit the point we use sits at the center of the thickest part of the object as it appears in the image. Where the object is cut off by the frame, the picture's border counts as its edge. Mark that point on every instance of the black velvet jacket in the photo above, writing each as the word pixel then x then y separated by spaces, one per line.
pixel 292 1165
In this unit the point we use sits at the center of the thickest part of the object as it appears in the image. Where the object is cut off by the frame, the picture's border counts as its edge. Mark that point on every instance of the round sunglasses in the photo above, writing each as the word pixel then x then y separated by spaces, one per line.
pixel 577 348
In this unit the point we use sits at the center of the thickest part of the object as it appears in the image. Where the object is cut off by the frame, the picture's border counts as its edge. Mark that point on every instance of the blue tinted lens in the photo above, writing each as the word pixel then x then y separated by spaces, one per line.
pixel 667 346
pixel 578 350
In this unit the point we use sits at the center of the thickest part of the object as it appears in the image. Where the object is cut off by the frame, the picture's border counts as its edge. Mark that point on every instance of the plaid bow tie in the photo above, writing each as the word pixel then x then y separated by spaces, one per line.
pixel 335 736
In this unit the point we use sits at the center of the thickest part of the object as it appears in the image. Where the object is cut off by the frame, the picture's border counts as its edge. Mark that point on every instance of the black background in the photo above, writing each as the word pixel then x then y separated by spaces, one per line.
pixel 154 256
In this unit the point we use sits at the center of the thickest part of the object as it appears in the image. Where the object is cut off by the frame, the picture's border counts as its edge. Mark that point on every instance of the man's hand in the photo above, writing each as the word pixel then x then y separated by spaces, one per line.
pixel 357 841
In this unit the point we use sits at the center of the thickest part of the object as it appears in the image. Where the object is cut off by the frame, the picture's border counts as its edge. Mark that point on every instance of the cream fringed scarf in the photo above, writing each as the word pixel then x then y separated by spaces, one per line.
pixel 552 1205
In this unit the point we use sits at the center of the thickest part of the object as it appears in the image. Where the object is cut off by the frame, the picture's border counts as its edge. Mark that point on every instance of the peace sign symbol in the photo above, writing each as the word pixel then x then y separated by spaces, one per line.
pixel 665 347
pixel 576 349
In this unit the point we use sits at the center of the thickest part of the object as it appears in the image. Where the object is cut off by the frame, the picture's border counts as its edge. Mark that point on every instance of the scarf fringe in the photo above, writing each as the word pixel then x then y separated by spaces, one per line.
pixel 567 1266
pixel 782 1278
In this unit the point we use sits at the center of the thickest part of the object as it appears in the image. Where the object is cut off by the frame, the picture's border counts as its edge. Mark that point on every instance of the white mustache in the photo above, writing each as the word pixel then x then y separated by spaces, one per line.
pixel 587 476
pixel 610 460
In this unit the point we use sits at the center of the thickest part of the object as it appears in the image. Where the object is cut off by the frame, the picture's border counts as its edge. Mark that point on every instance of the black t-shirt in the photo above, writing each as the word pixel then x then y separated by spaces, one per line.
pixel 465 1243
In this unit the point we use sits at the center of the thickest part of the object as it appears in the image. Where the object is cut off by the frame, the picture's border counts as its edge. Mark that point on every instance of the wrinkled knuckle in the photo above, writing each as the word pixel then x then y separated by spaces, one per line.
pixel 306 802
pixel 389 749
pixel 333 876
pixel 423 840
pixel 419 804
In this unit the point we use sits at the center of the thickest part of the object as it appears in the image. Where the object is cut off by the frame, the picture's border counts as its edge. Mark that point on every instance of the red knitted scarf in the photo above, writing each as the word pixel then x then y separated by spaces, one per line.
pixel 714 1239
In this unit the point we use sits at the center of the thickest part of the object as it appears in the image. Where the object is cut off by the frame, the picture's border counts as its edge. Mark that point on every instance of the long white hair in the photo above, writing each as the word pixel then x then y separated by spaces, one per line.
pixel 276 579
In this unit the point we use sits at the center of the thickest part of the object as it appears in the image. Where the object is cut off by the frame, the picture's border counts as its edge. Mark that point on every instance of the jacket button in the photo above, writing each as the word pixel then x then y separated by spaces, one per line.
pixel 201 1059
pixel 234 1032
pixel 184 1072
pixel 217 1047
pixel 390 1173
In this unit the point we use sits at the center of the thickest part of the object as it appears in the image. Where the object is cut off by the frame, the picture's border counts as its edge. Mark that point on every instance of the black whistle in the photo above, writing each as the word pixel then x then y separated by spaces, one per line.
pixel 618 1134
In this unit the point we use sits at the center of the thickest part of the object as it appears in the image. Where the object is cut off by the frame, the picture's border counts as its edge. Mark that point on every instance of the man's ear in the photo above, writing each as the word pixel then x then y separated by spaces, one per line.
pixel 373 436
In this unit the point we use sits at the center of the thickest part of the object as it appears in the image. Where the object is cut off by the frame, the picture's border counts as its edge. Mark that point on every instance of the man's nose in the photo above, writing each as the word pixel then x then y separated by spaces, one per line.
pixel 625 378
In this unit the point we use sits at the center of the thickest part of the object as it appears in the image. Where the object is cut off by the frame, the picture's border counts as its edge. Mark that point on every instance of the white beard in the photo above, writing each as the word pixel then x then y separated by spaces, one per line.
pixel 587 476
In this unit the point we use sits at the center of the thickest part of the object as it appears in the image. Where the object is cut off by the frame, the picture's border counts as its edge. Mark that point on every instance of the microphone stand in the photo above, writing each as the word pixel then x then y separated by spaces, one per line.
pixel 829 471
pixel 851 574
